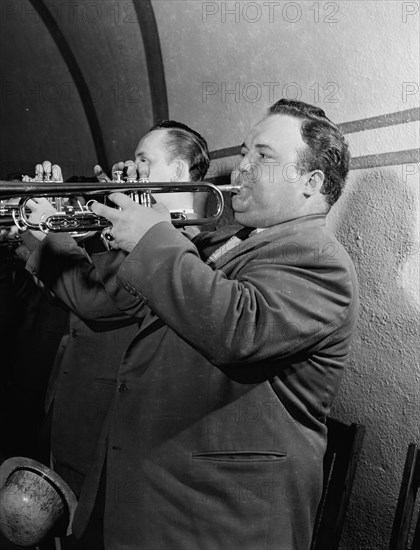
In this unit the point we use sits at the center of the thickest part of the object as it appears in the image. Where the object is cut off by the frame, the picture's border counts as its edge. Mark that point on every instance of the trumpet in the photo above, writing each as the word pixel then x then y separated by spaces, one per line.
pixel 78 217
pixel 15 213
pixel 8 212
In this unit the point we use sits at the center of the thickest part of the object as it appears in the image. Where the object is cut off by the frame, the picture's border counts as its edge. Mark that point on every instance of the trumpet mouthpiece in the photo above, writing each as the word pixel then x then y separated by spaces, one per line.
pixel 229 188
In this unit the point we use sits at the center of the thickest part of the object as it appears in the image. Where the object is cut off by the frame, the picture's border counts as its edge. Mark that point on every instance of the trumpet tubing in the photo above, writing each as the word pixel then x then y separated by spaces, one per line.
pixel 78 217
pixel 8 207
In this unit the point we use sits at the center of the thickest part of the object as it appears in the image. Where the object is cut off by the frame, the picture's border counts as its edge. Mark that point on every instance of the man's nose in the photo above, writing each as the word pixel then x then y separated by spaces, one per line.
pixel 245 165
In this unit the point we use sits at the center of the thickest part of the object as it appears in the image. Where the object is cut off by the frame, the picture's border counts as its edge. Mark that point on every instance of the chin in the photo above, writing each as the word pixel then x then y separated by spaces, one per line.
pixel 243 219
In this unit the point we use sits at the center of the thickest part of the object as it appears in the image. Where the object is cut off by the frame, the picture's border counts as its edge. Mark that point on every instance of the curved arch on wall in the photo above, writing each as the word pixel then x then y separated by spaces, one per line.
pixel 155 69
pixel 153 54
pixel 74 69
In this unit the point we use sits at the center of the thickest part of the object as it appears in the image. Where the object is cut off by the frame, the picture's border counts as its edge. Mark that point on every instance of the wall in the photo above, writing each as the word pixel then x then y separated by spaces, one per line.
pixel 378 223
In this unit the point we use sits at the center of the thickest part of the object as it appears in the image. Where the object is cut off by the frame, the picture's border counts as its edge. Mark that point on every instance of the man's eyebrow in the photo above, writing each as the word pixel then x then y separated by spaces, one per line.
pixel 260 146
pixel 264 146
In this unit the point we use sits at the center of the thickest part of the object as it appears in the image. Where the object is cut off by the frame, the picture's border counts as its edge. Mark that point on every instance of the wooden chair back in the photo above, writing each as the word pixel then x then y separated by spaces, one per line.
pixel 340 463
pixel 404 522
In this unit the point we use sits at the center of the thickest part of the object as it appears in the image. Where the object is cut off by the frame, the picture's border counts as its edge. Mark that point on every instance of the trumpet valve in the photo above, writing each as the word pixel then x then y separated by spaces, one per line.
pixel 118 176
pixel 144 198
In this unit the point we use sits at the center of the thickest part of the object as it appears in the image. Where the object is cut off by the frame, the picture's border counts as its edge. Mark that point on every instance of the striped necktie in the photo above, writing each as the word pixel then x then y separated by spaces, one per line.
pixel 239 236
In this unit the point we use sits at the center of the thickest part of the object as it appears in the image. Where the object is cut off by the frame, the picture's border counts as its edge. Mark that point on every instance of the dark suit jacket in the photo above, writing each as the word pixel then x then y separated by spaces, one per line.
pixel 31 327
pixel 216 435
pixel 84 374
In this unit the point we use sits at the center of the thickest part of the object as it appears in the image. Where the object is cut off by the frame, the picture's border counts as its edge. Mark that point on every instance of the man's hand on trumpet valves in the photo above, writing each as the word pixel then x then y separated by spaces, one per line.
pixel 131 222
pixel 40 207
pixel 46 172
pixel 130 169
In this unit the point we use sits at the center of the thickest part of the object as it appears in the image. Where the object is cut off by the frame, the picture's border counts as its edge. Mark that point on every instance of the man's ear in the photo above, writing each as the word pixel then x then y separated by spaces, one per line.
pixel 314 183
pixel 180 170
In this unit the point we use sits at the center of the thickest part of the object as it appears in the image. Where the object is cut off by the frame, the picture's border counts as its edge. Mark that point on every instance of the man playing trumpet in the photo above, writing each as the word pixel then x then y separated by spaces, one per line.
pixel 83 380
pixel 216 434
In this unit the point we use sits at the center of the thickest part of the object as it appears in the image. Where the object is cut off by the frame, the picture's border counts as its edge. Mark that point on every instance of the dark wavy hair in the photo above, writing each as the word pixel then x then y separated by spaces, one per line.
pixel 187 144
pixel 327 149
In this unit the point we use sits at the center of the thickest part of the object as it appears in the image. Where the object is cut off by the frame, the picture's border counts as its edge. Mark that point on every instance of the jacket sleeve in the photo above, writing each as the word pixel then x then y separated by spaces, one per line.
pixel 67 270
pixel 266 308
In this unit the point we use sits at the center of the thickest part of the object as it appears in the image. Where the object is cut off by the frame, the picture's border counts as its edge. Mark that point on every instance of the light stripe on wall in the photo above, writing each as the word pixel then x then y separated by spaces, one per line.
pixel 390 119
pixel 394 158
